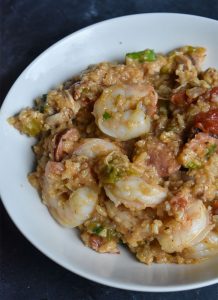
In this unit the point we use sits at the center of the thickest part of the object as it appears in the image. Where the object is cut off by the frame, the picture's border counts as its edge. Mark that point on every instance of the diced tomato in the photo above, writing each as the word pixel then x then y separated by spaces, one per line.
pixel 215 207
pixel 215 204
pixel 211 95
pixel 207 121
pixel 180 98
pixel 214 94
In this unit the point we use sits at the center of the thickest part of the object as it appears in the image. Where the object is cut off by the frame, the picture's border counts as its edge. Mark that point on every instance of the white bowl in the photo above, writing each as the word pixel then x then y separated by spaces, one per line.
pixel 108 40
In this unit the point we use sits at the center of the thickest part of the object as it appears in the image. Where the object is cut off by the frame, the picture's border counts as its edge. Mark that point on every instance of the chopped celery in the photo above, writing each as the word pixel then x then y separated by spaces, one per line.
pixel 103 233
pixel 101 230
pixel 193 165
pixel 210 150
pixel 111 174
pixel 113 168
pixel 95 227
pixel 106 116
pixel 142 56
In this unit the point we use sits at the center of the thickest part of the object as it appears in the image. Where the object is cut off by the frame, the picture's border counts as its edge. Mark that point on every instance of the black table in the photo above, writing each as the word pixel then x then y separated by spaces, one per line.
pixel 27 28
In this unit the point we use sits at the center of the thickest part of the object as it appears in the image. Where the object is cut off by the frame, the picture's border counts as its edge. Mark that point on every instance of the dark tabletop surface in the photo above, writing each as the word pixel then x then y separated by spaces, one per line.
pixel 27 28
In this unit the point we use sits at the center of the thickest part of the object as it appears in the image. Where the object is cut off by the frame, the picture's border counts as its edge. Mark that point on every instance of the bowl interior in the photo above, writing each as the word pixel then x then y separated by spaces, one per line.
pixel 106 41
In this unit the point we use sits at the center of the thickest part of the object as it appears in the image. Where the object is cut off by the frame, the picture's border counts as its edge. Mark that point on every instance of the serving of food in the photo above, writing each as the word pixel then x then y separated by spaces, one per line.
pixel 128 153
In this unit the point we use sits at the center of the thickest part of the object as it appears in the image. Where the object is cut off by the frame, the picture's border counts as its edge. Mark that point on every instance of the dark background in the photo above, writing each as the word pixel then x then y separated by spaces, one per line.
pixel 27 28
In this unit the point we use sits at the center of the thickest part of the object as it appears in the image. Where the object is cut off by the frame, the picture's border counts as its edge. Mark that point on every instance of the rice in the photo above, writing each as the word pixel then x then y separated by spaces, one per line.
pixel 176 156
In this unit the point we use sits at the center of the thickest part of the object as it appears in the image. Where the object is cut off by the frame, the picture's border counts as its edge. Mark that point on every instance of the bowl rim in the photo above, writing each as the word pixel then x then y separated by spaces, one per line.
pixel 44 251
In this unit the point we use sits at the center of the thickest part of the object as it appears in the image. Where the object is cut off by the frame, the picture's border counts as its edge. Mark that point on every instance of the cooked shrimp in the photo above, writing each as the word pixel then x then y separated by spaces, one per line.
pixel 69 210
pixel 205 249
pixel 76 210
pixel 92 147
pixel 123 111
pixel 135 193
pixel 178 235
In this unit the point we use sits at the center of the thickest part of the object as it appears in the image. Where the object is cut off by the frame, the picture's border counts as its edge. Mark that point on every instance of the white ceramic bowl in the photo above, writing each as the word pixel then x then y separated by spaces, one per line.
pixel 108 40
